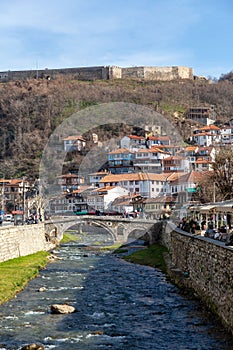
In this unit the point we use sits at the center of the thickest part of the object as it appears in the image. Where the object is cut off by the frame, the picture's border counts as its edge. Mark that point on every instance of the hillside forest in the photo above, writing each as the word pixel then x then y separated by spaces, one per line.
pixel 30 110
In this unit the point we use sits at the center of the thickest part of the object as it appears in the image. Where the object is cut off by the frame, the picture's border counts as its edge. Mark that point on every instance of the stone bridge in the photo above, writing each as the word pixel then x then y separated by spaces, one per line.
pixel 120 229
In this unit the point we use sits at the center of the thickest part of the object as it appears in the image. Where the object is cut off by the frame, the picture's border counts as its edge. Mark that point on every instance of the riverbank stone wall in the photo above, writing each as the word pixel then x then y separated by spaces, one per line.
pixel 205 266
pixel 16 241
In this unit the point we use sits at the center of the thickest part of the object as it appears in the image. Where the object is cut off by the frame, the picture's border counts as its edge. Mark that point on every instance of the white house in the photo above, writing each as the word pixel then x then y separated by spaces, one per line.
pixel 101 199
pixel 132 142
pixel 95 178
pixel 175 164
pixel 158 140
pixel 122 204
pixel 184 186
pixel 207 135
pixel 74 143
pixel 227 134
pixel 147 184
pixel 150 159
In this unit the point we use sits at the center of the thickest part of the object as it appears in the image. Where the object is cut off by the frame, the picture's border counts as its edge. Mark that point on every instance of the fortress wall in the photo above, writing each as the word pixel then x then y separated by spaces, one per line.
pixel 204 265
pixel 115 72
pixel 157 73
pixel 103 73
pixel 16 241
pixel 133 73
pixel 167 73
pixel 83 73
pixel 185 72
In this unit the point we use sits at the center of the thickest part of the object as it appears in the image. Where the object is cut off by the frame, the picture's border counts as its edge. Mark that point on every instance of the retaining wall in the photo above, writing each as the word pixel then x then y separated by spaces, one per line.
pixel 16 241
pixel 206 266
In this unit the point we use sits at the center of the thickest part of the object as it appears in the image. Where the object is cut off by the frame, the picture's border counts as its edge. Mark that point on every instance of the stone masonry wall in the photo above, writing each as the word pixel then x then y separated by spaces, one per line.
pixel 16 241
pixel 206 266
pixel 103 73
pixel 157 73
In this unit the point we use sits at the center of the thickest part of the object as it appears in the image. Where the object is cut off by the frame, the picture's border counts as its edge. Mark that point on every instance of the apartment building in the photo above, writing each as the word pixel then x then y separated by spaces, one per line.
pixel 147 184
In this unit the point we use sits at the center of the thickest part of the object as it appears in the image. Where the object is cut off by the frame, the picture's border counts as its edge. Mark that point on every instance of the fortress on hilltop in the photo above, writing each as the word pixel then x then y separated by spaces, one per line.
pixel 103 73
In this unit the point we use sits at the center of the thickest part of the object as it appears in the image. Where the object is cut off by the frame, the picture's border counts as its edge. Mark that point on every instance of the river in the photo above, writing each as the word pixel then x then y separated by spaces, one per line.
pixel 119 306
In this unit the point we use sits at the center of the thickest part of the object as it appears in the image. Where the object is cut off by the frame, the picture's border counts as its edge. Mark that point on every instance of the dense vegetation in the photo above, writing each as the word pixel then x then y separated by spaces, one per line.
pixel 30 110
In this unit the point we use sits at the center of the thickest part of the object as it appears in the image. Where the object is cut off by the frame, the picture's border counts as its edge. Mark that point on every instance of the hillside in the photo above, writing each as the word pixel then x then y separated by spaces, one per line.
pixel 30 110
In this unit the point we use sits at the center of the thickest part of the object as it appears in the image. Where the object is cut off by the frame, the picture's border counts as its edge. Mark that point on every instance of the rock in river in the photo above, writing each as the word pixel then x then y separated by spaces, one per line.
pixel 62 309
pixel 33 347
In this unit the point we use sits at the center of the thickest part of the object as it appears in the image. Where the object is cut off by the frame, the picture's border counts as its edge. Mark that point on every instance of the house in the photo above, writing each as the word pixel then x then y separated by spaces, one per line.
pixel 133 142
pixel 195 153
pixel 227 135
pixel 70 182
pixel 74 143
pixel 101 199
pixel 202 164
pixel 120 161
pixel 158 140
pixel 138 202
pixel 14 194
pixel 147 184
pixel 207 153
pixel 95 178
pixel 159 207
pixel 150 159
pixel 175 164
pixel 184 186
pixel 207 135
pixel 71 202
pixel 122 204
pixel 202 114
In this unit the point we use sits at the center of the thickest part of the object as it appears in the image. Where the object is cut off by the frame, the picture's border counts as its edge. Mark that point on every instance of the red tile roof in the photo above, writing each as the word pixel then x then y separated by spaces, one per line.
pixel 133 177
pixel 73 138
pixel 136 137
pixel 120 151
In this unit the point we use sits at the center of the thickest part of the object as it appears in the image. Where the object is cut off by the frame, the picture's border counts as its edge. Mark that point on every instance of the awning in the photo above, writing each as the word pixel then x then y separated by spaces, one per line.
pixel 227 207
pixel 207 208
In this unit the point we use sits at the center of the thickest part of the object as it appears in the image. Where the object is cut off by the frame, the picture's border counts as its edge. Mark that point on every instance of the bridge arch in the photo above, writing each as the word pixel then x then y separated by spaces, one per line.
pixel 106 227
pixel 138 233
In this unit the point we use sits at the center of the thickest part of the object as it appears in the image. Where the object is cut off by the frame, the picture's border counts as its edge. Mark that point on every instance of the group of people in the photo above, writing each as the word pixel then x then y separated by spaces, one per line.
pixel 189 225
pixel 33 219
pixel 206 228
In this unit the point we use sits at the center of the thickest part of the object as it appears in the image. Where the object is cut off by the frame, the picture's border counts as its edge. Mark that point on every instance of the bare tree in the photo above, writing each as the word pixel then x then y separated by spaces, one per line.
pixel 223 172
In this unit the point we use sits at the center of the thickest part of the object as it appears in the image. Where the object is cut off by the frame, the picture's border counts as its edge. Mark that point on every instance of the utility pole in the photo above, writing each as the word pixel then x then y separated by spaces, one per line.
pixel 3 195
pixel 23 216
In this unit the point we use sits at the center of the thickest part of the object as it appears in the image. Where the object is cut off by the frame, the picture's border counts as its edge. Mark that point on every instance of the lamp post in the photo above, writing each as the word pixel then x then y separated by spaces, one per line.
pixel 3 195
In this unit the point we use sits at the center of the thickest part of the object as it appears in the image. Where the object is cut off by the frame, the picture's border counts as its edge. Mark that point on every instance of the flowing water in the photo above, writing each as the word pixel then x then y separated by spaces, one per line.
pixel 119 306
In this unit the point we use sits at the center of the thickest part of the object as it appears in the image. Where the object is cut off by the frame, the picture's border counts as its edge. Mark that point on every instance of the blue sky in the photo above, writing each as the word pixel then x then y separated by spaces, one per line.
pixel 75 33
